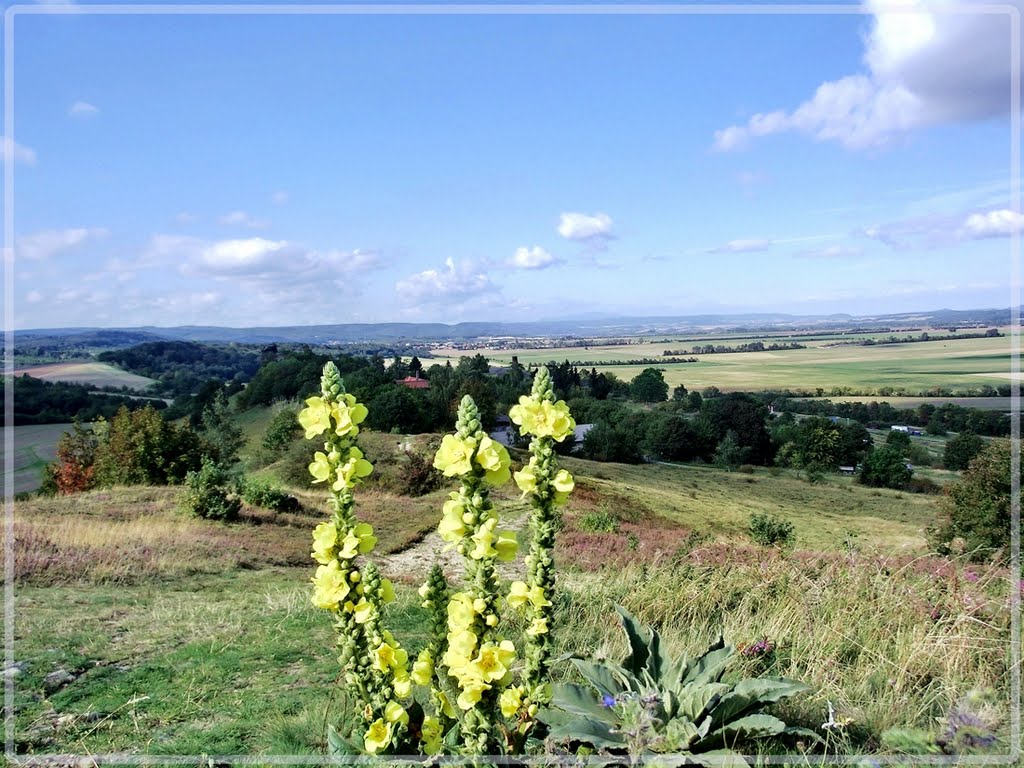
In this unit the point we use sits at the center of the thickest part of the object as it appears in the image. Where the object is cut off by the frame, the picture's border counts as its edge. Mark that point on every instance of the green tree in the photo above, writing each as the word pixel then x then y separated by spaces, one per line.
pixel 730 453
pixel 900 441
pixel 649 387
pixel 282 430
pixel 961 450
pixel 816 445
pixel 679 394
pixel 885 468
pixel 977 506
pixel 396 407
pixel 415 367
pixel 141 448
pixel 223 437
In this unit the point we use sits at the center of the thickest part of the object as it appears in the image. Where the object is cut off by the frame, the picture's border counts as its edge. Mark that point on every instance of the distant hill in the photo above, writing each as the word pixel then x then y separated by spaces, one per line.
pixel 594 326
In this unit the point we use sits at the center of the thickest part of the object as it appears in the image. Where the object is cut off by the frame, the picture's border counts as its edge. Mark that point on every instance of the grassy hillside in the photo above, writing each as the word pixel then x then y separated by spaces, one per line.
pixel 170 635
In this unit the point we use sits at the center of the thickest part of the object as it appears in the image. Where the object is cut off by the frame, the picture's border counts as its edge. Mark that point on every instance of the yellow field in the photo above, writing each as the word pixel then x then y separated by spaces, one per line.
pixel 914 367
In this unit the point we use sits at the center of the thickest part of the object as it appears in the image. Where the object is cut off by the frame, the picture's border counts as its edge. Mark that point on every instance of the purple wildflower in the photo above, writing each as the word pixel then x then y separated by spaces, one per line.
pixel 608 701
pixel 971 576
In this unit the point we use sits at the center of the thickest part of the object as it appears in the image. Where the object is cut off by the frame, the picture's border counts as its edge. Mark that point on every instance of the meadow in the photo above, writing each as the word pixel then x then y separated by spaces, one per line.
pixel 87 372
pixel 140 629
pixel 915 367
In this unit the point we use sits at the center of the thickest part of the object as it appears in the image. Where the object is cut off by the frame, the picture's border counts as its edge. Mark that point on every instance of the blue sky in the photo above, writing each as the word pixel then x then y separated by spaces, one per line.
pixel 273 170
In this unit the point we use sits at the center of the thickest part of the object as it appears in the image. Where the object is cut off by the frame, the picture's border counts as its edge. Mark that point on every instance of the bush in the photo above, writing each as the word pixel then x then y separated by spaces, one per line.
pixel 770 530
pixel 923 485
pixel 207 494
pixel 418 477
pixel 260 493
pixel 599 521
pixel 961 450
pixel 978 506
pixel 746 469
pixel 885 468
pixel 282 430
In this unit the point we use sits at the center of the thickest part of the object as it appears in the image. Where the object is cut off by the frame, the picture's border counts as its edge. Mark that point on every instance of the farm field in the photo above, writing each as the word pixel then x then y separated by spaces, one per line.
pixel 97 374
pixel 34 447
pixel 917 366
pixel 181 636
pixel 1001 404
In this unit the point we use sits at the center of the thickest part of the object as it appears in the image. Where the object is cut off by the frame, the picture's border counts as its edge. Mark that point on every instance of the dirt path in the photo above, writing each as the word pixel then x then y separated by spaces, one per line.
pixel 413 564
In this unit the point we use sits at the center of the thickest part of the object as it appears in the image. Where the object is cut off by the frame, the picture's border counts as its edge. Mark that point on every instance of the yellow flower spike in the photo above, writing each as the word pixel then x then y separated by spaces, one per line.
pixel 361 611
pixel 538 598
pixel 387 591
pixel 364 531
pixel 461 648
pixel 431 732
pixel 510 700
pixel 471 694
pixel 347 415
pixel 506 546
pixel 479 605
pixel 518 594
pixel 423 669
pixel 316 418
pixel 543 419
pixel 460 611
pixel 395 713
pixel 455 456
pixel 492 662
pixel 377 736
pixel 325 536
pixel 403 687
pixel 383 657
pixel 452 527
pixel 446 706
pixel 563 484
pixel 424 590
pixel 352 471
pixel 330 586
pixel 494 459
pixel 484 540
pixel 321 468
pixel 491 620
pixel 538 627
pixel 526 478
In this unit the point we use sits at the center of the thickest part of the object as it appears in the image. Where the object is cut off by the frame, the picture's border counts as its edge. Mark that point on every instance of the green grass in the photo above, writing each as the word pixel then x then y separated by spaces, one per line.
pixel 192 637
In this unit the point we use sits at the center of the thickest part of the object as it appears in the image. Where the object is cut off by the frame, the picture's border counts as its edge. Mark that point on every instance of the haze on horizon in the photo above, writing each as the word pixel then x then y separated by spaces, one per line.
pixel 299 170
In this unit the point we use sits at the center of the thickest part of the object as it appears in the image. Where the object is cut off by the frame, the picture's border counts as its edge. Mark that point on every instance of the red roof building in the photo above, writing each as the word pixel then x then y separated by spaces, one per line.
pixel 414 382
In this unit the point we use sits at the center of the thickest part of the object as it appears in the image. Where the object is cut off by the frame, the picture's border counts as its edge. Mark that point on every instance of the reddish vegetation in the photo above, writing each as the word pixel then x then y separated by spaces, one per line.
pixel 633 542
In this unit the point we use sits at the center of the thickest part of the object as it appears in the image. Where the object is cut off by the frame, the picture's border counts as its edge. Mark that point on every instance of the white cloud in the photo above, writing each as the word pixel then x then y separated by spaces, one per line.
pixel 532 258
pixel 998 223
pixel 942 230
pixel 83 109
pixel 241 218
pixel 585 227
pixel 455 284
pixel 256 260
pixel 832 252
pixel 742 246
pixel 47 243
pixel 184 217
pixel 928 62
pixel 279 198
pixel 19 152
pixel 33 297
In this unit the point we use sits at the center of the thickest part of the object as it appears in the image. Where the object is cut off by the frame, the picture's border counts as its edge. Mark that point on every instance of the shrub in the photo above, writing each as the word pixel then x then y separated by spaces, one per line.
pixel 598 521
pixel 770 530
pixel 282 430
pixel 923 485
pixel 207 494
pixel 978 506
pixel 961 450
pixel 418 476
pixel 260 493
pixel 746 469
pixel 885 468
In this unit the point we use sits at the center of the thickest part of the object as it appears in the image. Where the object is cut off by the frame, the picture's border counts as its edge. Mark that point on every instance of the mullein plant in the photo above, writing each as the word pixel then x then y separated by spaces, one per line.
pixel 475 707
pixel 547 488
pixel 374 665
